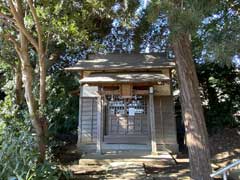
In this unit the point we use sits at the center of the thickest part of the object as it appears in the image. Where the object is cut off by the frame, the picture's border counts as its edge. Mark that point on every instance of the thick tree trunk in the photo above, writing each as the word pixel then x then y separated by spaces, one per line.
pixel 18 83
pixel 196 132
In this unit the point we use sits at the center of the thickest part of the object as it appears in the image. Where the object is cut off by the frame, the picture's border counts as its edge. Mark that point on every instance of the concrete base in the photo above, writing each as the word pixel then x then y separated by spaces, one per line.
pixel 171 148
pixel 113 147
pixel 110 157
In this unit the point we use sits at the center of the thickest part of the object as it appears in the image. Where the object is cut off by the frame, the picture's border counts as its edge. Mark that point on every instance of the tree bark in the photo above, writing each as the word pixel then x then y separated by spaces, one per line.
pixel 41 55
pixel 25 38
pixel 196 132
pixel 31 102
pixel 42 66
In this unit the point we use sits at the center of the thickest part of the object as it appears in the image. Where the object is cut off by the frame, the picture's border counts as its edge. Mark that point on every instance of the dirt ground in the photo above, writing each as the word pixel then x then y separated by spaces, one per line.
pixel 224 147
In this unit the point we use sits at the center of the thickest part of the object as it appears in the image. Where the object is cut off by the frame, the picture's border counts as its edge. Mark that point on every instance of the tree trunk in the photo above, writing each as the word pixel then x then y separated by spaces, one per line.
pixel 41 54
pixel 196 132
pixel 18 82
pixel 38 122
pixel 27 79
pixel 31 102
pixel 42 101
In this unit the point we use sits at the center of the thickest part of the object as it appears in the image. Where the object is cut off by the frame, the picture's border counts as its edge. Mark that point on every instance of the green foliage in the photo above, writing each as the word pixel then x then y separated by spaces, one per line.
pixel 18 150
pixel 220 33
pixel 220 93
pixel 184 16
pixel 72 23
pixel 7 62
pixel 5 74
pixel 62 108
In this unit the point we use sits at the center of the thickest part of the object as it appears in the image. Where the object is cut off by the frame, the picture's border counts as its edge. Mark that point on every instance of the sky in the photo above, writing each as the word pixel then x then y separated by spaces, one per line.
pixel 120 38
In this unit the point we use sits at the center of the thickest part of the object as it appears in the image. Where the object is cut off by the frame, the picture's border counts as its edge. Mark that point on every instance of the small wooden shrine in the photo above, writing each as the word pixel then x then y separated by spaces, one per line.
pixel 126 102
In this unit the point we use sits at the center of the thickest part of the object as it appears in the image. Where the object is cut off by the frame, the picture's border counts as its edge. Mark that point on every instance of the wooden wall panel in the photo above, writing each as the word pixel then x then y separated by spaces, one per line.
pixel 88 120
pixel 158 119
pixel 165 121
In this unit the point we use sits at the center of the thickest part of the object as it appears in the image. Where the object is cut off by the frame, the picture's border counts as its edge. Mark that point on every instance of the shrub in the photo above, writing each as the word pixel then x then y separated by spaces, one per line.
pixel 18 150
pixel 62 108
pixel 220 95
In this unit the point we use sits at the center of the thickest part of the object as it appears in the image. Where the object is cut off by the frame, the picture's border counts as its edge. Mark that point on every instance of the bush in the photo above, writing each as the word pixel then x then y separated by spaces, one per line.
pixel 62 108
pixel 18 150
pixel 220 95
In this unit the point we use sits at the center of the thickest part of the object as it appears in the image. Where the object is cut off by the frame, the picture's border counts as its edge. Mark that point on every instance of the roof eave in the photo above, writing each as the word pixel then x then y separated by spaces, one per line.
pixel 74 69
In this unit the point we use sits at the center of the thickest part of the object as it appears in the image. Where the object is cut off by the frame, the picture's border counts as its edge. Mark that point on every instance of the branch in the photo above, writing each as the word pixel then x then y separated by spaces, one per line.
pixel 47 43
pixel 11 38
pixel 20 25
pixel 38 26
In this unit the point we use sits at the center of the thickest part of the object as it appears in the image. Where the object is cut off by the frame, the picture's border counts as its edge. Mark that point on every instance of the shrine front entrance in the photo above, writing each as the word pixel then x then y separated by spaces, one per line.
pixel 126 119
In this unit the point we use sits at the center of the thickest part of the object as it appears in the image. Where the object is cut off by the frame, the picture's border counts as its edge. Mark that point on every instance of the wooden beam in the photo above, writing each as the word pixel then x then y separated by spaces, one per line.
pixel 152 121
pixel 121 69
pixel 99 125
pixel 113 92
pixel 117 92
pixel 140 92
pixel 81 74
pixel 111 84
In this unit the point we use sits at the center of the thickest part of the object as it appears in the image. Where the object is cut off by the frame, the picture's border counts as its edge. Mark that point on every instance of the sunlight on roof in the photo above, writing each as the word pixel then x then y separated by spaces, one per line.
pixel 97 60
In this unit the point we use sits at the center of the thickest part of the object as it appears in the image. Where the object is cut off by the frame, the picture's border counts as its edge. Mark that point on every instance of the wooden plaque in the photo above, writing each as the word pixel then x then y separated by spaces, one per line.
pixel 162 90
pixel 126 90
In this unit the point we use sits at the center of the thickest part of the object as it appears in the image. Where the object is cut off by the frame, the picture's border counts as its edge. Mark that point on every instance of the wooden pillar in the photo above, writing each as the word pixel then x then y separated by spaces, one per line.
pixel 171 82
pixel 99 125
pixel 80 112
pixel 152 121
pixel 80 118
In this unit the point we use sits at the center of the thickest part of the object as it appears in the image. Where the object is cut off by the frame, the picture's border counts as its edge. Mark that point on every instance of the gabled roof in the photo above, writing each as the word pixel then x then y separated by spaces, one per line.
pixel 123 61
pixel 124 77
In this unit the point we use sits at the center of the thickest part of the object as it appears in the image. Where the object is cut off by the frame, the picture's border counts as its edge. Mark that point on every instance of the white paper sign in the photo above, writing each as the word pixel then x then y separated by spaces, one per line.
pixel 131 111
pixel 89 91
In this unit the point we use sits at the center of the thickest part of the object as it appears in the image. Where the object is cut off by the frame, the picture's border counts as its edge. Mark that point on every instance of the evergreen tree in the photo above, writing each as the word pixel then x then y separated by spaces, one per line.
pixel 184 18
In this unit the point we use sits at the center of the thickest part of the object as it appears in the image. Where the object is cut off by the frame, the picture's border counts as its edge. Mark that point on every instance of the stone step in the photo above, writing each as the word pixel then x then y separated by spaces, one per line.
pixel 87 169
pixel 120 165
pixel 131 157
